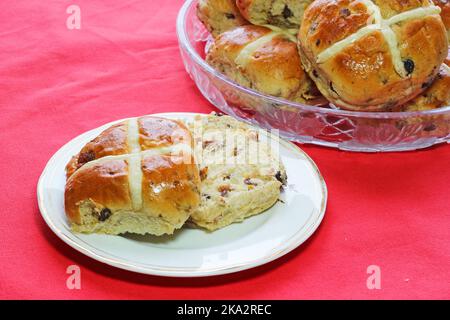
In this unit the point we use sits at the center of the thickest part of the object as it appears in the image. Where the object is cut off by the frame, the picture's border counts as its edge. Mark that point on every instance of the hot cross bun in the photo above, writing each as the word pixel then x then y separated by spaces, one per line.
pixel 263 59
pixel 372 55
pixel 137 176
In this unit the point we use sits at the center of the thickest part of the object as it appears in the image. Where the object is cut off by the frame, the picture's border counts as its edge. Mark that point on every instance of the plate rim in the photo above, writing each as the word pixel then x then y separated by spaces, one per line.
pixel 187 272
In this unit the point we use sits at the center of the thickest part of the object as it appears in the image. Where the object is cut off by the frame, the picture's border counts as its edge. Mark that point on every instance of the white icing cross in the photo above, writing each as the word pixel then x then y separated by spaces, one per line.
pixel 134 160
pixel 134 164
pixel 384 26
pixel 244 56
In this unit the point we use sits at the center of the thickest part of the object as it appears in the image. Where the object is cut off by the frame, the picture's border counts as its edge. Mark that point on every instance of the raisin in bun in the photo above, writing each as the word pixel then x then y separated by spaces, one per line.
pixel 241 175
pixel 372 55
pixel 263 59
pixel 445 13
pixel 436 96
pixel 219 15
pixel 286 14
pixel 138 176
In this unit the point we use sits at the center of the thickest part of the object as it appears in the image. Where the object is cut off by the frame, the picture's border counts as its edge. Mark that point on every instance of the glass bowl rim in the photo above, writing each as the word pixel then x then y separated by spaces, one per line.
pixel 185 43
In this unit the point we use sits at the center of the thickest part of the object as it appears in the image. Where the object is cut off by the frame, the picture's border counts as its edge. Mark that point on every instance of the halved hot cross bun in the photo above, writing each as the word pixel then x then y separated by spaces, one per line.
pixel 138 176
pixel 241 174
pixel 286 14
pixel 264 59
pixel 219 16
pixel 372 55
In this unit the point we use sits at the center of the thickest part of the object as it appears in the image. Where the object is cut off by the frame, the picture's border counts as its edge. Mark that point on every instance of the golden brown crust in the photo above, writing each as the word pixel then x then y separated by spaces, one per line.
pixel 157 132
pixel 234 40
pixel 272 67
pixel 153 132
pixel 169 185
pixel 436 96
pixel 445 13
pixel 327 22
pixel 219 16
pixel 363 75
pixel 391 8
pixel 105 184
pixel 113 141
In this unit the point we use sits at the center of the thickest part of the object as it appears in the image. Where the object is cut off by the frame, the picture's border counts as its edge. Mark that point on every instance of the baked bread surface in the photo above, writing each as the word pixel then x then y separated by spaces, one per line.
pixel 263 59
pixel 219 16
pixel 287 14
pixel 372 55
pixel 152 132
pixel 445 13
pixel 436 96
pixel 240 175
pixel 138 176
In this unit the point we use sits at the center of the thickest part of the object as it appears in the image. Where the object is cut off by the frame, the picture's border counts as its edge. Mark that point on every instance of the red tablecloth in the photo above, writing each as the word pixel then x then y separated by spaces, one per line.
pixel 390 210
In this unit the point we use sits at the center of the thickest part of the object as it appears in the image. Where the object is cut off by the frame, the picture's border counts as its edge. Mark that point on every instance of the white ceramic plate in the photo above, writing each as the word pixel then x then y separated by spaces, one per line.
pixel 193 252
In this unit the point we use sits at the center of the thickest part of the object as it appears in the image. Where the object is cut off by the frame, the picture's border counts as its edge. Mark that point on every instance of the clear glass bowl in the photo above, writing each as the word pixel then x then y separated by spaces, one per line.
pixel 345 130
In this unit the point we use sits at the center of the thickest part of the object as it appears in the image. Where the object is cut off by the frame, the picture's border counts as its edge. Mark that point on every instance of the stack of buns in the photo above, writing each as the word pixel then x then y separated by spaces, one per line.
pixel 361 55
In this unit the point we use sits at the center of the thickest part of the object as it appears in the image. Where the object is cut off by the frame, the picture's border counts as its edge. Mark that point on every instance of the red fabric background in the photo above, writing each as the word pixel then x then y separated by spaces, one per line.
pixel 390 210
